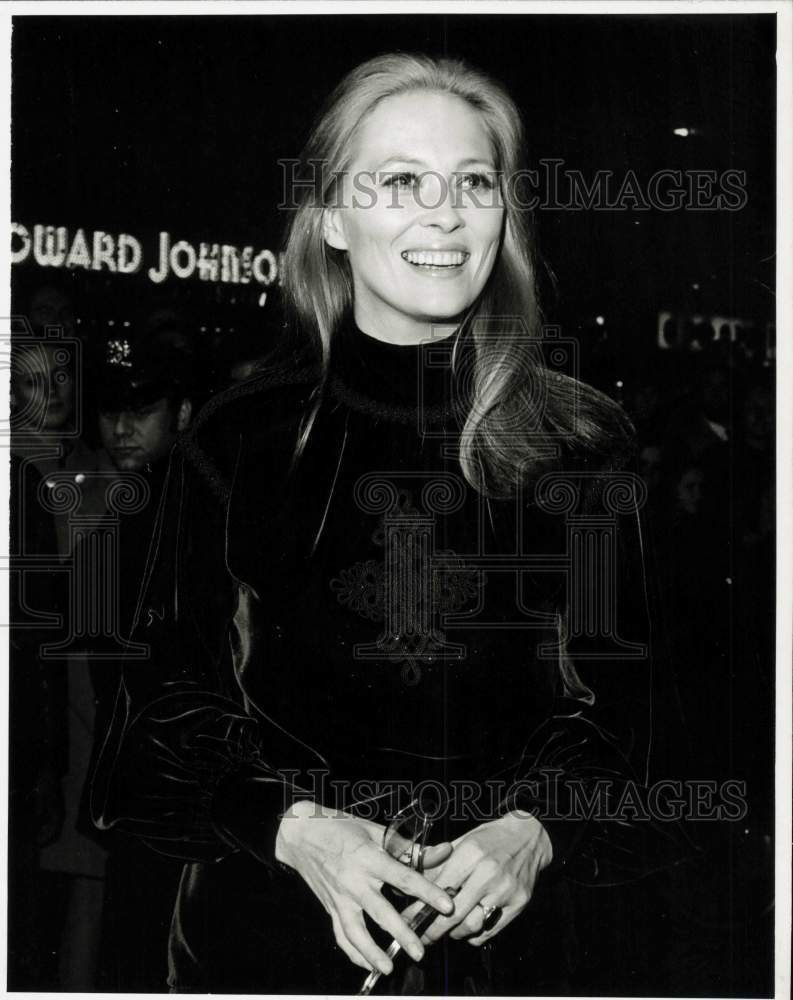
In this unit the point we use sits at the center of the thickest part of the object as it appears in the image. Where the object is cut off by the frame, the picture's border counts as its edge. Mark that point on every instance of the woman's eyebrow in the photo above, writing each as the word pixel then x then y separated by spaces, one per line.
pixel 412 161
pixel 401 159
pixel 477 161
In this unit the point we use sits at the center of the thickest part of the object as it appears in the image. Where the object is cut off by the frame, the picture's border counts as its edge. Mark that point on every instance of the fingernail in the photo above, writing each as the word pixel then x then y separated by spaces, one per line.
pixel 451 892
pixel 416 953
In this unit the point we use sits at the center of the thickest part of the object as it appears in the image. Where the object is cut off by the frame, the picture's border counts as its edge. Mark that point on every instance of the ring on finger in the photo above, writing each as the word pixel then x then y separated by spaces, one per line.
pixel 491 916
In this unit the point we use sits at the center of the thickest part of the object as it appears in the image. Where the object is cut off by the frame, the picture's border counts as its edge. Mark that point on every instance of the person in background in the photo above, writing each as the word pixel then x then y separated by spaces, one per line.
pixel 143 396
pixel 147 386
pixel 37 726
pixel 45 408
pixel 140 381
pixel 46 413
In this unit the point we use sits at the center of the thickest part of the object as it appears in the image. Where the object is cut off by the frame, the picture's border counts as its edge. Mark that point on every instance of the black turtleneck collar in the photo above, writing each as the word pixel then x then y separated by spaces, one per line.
pixel 393 381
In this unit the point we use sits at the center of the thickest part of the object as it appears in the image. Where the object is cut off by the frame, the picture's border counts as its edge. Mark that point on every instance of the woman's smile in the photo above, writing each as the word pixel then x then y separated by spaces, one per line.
pixel 435 262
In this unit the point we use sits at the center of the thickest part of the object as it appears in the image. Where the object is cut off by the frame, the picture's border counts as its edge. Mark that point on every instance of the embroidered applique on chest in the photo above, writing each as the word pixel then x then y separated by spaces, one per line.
pixel 415 583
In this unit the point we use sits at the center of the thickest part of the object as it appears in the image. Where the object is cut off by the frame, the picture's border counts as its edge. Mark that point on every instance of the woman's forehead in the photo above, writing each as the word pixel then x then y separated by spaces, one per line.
pixel 41 358
pixel 423 127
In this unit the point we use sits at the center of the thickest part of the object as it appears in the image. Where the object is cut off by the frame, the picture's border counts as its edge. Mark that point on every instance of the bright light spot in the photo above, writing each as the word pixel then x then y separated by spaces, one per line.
pixel 79 478
pixel 682 132
pixel 600 320
pixel 695 286
pixel 618 383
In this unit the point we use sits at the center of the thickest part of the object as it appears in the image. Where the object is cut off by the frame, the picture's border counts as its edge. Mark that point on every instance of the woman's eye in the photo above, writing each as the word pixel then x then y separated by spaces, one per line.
pixel 469 182
pixel 404 180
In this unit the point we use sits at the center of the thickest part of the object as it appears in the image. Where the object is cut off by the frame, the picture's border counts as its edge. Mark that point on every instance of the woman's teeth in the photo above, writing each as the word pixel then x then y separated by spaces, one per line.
pixel 433 258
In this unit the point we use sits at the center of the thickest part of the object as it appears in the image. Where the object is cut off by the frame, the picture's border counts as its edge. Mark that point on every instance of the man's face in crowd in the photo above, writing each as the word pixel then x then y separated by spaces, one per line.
pixel 50 307
pixel 135 438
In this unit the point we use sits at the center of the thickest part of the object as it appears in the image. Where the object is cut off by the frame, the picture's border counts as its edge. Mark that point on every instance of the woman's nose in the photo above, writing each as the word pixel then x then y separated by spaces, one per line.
pixel 437 198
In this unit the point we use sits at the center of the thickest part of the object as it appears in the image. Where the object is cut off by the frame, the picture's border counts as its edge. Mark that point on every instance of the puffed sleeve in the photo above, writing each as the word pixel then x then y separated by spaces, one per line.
pixel 586 771
pixel 185 763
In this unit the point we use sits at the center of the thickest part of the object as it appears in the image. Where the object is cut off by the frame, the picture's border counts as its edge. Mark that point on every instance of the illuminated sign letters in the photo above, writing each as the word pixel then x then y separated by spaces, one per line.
pixel 226 263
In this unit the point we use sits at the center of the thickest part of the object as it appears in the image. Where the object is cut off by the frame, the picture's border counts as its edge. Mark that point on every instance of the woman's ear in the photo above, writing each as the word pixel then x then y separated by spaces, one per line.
pixel 184 415
pixel 333 230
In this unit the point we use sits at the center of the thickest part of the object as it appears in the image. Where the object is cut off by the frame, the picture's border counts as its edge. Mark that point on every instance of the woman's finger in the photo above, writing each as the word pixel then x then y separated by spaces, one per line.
pixel 478 885
pixel 470 925
pixel 359 937
pixel 380 910
pixel 474 923
pixel 436 855
pixel 413 884
pixel 351 952
pixel 508 915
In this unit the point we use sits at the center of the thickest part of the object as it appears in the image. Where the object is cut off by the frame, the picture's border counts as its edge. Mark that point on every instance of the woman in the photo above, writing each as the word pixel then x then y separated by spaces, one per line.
pixel 357 591
pixel 45 418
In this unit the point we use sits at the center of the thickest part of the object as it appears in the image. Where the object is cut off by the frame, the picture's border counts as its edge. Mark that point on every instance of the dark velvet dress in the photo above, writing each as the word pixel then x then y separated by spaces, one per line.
pixel 356 623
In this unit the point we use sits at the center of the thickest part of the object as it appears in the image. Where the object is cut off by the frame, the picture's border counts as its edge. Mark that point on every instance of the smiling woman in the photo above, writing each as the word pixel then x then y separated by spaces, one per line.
pixel 365 512
pixel 435 144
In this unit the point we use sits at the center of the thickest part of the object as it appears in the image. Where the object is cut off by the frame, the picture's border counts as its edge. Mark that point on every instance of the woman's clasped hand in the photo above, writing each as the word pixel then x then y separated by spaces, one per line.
pixel 342 860
pixel 495 865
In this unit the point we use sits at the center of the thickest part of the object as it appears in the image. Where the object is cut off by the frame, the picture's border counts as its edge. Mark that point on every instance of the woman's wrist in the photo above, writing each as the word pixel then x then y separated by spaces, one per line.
pixel 290 825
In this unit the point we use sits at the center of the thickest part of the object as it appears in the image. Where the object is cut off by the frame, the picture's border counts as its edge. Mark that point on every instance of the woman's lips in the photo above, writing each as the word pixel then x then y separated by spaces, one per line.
pixel 435 258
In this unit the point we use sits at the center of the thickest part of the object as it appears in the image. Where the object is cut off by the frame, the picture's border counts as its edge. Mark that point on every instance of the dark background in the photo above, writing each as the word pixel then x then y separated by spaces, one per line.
pixel 143 124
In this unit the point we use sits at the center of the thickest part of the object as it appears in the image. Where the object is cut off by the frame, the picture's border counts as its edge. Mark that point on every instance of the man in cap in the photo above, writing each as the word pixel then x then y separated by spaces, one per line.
pixel 145 388
pixel 144 396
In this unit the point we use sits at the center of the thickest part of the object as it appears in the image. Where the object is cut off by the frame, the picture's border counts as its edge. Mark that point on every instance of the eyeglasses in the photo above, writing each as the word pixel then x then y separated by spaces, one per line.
pixel 405 840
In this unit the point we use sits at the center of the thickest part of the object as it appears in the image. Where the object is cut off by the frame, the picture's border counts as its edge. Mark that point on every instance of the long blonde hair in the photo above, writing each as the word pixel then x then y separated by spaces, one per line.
pixel 517 407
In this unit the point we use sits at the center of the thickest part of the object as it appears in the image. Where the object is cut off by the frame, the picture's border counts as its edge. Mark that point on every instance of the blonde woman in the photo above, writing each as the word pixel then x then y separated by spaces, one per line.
pixel 357 600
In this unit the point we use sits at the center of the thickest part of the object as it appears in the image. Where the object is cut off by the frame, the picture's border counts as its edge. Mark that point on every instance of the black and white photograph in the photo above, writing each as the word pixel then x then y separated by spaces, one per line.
pixel 396 538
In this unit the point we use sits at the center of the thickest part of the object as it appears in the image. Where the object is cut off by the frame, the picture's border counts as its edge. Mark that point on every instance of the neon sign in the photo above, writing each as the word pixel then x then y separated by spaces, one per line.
pixel 122 253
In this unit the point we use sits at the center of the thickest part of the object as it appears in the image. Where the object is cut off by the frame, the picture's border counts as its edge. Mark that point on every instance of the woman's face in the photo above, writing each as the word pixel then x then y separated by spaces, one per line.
pixel 43 388
pixel 419 213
